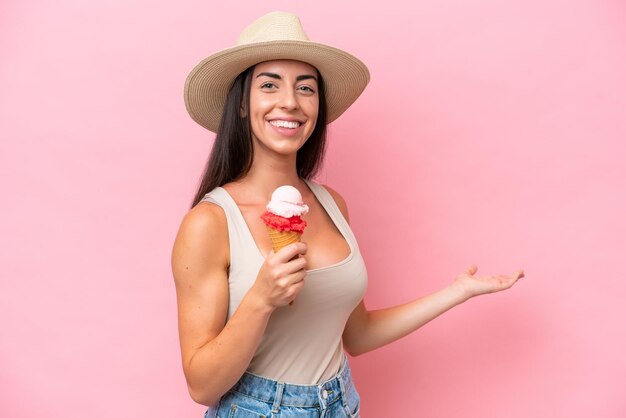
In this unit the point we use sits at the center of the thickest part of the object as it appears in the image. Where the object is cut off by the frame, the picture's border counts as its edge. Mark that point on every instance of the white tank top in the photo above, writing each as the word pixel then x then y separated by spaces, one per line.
pixel 302 343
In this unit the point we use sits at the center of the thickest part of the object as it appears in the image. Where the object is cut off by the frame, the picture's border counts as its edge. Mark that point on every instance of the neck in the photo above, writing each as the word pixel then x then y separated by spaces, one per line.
pixel 269 172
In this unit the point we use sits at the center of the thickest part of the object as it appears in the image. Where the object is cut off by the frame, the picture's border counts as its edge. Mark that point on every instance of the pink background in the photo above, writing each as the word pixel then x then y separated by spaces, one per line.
pixel 496 129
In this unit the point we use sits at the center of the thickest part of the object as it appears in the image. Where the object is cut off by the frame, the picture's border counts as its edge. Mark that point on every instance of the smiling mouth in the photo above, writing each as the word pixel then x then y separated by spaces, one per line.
pixel 285 124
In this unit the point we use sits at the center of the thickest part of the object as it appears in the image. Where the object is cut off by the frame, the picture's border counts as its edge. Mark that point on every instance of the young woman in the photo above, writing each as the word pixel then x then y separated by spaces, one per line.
pixel 246 350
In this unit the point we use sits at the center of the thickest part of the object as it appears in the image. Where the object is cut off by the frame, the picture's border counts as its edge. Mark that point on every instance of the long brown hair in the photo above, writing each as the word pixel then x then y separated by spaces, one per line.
pixel 232 152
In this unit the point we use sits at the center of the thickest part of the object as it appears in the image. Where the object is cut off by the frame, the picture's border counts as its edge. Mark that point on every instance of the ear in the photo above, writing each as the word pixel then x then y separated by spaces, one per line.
pixel 242 112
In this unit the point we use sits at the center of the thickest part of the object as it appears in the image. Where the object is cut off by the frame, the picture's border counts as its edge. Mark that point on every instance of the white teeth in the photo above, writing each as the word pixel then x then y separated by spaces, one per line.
pixel 285 124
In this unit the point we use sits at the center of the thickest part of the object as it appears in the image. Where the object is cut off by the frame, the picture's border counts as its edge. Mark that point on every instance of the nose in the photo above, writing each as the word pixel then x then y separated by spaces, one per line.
pixel 288 100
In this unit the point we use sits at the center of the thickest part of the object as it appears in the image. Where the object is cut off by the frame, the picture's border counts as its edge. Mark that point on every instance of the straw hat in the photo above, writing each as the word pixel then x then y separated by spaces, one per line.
pixel 277 35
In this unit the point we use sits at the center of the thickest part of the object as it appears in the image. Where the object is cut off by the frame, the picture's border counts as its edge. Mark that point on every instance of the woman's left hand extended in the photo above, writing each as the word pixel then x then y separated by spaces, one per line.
pixel 474 286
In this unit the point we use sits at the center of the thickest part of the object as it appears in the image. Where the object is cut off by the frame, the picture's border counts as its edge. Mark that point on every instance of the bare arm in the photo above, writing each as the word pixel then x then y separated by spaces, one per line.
pixel 216 353
pixel 368 330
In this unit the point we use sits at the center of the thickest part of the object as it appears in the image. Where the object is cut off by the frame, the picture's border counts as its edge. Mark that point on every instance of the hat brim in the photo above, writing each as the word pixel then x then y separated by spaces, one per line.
pixel 208 83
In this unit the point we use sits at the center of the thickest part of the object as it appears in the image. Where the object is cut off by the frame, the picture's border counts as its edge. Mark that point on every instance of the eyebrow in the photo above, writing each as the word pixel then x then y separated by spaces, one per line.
pixel 278 77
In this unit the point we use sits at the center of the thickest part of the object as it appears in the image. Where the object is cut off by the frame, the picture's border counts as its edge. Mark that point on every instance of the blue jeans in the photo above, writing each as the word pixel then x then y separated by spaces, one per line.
pixel 258 397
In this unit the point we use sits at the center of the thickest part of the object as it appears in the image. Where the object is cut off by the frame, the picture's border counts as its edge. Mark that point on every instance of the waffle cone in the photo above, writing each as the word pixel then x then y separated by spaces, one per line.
pixel 281 239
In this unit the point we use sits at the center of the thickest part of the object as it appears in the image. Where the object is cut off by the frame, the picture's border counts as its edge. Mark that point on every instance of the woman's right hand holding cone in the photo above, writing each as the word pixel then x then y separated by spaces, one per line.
pixel 281 276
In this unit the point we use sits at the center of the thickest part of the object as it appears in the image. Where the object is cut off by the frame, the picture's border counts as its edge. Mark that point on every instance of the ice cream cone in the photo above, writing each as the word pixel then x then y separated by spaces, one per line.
pixel 282 218
pixel 281 239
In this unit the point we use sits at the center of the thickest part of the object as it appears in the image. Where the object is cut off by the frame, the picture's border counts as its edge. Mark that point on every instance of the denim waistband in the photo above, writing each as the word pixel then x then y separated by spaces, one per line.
pixel 289 394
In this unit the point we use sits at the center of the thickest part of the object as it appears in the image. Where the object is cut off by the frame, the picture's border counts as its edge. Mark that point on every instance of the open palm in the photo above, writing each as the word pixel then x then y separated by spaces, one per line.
pixel 475 286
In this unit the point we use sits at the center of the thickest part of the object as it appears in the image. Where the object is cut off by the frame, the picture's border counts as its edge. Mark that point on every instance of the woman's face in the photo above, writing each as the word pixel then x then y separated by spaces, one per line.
pixel 284 103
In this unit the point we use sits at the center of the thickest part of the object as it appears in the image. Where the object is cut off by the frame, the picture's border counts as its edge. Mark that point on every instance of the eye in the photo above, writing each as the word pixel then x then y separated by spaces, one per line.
pixel 267 85
pixel 306 89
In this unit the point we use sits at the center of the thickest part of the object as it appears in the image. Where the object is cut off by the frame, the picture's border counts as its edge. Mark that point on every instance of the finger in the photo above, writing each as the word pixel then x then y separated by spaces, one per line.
pixel 296 264
pixel 295 278
pixel 295 290
pixel 508 281
pixel 290 251
pixel 291 291
pixel 281 271
pixel 472 269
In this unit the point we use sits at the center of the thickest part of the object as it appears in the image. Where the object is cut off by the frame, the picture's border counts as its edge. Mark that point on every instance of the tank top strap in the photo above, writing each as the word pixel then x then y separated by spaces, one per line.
pixel 241 243
pixel 331 207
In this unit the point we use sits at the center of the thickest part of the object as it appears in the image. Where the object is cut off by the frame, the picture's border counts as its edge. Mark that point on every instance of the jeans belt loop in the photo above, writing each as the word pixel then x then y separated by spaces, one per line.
pixel 278 398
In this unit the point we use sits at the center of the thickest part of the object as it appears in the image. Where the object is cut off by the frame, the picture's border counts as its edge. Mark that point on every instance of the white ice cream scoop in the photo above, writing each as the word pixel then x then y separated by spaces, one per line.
pixel 287 202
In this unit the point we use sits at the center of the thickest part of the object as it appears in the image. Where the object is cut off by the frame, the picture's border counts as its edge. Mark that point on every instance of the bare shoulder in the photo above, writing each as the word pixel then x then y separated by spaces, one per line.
pixel 343 207
pixel 206 215
pixel 203 231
